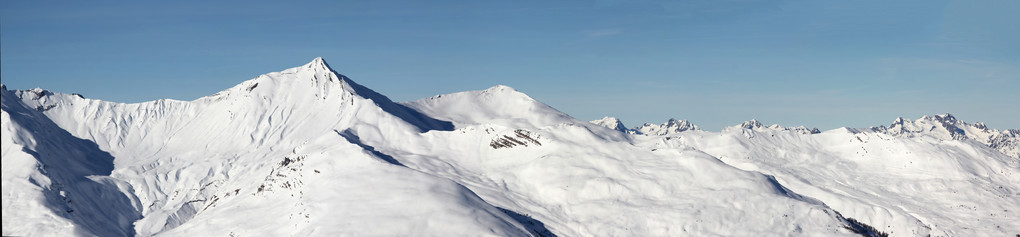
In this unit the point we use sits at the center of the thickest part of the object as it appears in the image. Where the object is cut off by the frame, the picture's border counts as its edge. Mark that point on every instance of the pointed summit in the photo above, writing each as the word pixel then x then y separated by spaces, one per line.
pixel 898 121
pixel 317 83
pixel 945 118
pixel 319 64
pixel 317 70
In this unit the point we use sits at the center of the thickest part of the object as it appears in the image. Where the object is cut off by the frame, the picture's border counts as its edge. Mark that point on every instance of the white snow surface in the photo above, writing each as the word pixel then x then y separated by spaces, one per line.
pixel 308 152
pixel 498 105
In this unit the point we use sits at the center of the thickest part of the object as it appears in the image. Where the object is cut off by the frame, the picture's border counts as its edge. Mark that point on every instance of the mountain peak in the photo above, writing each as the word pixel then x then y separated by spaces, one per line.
pixel 948 127
pixel 899 121
pixel 319 64
pixel 317 81
pixel 500 105
pixel 672 126
pixel 945 118
pixel 752 124
pixel 755 125
pixel 612 123
pixel 947 121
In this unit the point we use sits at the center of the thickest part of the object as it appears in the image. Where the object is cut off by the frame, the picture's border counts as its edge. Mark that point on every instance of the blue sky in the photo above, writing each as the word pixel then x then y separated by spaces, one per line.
pixel 822 64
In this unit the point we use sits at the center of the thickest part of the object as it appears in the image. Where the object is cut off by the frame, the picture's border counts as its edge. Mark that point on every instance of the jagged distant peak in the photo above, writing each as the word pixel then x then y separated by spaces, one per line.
pixel 751 124
pixel 756 125
pixel 948 127
pixel 611 122
pixel 980 125
pixel 942 120
pixel 946 120
pixel 681 124
pixel 671 126
pixel 947 117
pixel 675 121
pixel 898 121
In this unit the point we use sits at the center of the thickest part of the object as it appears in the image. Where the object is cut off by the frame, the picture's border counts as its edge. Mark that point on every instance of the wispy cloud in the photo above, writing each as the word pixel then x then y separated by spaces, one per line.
pixel 602 32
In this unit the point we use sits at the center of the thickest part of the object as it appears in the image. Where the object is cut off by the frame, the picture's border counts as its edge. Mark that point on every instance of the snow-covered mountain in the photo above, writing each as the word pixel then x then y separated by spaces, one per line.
pixel 307 151
pixel 611 123
pixel 501 105
pixel 754 125
pixel 672 126
pixel 280 154
pixel 947 127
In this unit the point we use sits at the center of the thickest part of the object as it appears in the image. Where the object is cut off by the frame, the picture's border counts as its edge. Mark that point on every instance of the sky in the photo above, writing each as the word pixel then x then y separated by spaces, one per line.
pixel 824 64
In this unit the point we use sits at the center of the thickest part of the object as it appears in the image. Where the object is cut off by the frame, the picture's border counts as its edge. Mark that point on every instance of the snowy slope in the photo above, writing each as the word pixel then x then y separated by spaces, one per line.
pixel 571 175
pixel 55 183
pixel 578 184
pixel 911 186
pixel 307 151
pixel 500 105
pixel 193 165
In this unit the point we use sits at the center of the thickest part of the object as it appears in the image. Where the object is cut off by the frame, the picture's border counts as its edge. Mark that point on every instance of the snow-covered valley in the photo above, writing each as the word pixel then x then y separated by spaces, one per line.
pixel 309 152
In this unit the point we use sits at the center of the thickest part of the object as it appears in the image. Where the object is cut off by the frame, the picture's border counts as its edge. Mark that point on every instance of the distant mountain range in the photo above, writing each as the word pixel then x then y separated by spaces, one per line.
pixel 942 126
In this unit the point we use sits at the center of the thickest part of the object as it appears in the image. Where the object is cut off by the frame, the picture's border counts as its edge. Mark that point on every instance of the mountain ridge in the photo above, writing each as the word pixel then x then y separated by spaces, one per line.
pixel 942 126
pixel 308 151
